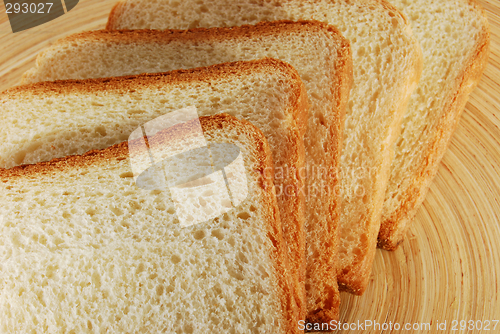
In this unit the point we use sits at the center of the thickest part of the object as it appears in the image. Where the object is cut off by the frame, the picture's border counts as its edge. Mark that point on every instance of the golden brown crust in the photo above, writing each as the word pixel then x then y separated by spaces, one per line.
pixel 127 84
pixel 212 127
pixel 395 224
pixel 114 14
pixel 202 34
pixel 325 307
pixel 295 235
pixel 392 10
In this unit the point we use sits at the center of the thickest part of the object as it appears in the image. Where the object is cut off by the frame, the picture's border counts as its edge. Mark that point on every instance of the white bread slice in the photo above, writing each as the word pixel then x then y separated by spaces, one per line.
pixel 321 57
pixel 72 117
pixel 387 65
pixel 85 250
pixel 454 35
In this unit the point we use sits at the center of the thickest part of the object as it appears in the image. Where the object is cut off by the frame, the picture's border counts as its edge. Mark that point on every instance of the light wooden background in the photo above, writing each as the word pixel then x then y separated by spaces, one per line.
pixel 449 266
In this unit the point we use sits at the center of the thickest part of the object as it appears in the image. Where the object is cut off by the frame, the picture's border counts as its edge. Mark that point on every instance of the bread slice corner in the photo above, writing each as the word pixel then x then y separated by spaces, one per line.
pixel 94 251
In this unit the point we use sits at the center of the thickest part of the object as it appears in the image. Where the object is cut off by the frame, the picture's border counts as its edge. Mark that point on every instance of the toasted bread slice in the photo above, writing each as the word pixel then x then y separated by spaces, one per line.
pixel 323 61
pixel 454 35
pixel 85 249
pixel 387 64
pixel 71 117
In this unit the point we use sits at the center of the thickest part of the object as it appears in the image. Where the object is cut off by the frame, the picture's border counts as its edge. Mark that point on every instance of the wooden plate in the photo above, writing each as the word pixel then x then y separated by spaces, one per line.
pixel 448 269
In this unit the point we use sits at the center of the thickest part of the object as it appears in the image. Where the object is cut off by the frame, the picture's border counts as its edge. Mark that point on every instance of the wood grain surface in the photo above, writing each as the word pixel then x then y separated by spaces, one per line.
pixel 448 268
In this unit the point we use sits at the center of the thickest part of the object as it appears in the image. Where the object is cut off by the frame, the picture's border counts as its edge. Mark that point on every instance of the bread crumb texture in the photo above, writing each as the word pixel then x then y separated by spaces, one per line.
pixel 321 57
pixel 83 250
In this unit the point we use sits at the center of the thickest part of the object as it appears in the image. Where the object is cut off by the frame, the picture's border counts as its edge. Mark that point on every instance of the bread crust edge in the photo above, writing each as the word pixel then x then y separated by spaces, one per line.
pixel 395 224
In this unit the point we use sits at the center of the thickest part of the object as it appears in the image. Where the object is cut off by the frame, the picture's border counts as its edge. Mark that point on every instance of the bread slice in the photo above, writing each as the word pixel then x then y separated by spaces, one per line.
pixel 387 64
pixel 454 36
pixel 72 117
pixel 84 249
pixel 321 57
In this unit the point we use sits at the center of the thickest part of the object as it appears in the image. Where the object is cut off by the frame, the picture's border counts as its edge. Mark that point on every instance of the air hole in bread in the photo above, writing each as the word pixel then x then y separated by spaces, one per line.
pixel 218 233
pixel 136 112
pixel 101 130
pixel 231 240
pixel 243 215
pixel 198 235
pixel 160 289
pixel 175 259
pixel 126 174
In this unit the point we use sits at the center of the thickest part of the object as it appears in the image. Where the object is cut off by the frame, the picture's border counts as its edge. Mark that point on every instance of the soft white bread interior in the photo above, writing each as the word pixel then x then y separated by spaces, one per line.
pixel 387 64
pixel 323 60
pixel 72 117
pixel 454 35
pixel 85 250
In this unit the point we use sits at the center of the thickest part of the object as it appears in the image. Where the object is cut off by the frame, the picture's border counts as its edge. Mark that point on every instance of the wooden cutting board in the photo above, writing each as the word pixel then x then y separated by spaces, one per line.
pixel 448 269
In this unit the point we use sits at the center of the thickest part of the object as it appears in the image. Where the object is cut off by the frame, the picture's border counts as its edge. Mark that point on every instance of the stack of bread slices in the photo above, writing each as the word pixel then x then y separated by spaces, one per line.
pixel 224 166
